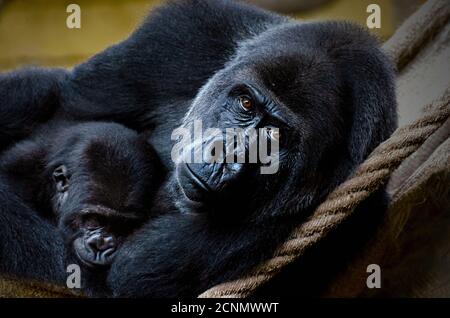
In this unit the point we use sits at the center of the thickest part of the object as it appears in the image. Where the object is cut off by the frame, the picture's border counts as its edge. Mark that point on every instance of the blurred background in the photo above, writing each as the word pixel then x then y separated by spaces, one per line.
pixel 34 32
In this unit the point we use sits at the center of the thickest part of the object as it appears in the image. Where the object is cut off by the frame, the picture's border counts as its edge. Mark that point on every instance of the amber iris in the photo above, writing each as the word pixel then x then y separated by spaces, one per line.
pixel 245 102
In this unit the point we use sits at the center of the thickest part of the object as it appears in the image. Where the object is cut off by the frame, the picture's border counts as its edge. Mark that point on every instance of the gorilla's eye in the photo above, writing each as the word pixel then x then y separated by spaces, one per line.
pixel 246 103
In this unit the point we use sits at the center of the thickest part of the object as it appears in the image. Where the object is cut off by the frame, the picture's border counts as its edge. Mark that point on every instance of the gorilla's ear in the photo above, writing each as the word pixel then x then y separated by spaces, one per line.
pixel 370 100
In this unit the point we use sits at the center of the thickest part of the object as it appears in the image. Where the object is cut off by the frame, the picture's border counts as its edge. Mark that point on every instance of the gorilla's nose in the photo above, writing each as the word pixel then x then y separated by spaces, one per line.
pixel 100 242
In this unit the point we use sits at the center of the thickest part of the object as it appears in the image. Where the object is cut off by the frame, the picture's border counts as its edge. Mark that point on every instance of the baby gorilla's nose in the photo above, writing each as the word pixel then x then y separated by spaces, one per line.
pixel 101 241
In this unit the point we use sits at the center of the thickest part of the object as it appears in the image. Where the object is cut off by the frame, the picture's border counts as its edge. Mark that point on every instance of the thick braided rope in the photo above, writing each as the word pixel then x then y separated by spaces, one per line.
pixel 341 203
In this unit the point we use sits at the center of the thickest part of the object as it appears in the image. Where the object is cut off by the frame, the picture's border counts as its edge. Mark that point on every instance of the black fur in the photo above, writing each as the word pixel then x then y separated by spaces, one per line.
pixel 28 97
pixel 328 81
pixel 30 246
pixel 334 89
pixel 112 174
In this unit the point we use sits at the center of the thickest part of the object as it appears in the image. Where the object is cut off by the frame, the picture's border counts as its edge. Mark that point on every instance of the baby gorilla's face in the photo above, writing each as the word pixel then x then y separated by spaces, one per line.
pixel 104 178
pixel 100 235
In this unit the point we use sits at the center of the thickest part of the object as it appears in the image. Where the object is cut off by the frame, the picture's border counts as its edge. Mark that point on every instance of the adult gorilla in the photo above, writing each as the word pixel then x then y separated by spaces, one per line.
pixel 326 86
pixel 328 89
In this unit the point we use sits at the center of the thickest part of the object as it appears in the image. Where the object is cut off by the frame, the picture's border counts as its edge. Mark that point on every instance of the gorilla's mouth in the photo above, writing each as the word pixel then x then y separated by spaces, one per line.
pixel 192 185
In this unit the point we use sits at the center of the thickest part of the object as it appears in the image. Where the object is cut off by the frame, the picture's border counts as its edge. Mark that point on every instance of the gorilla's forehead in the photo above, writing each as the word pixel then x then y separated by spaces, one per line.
pixel 284 59
pixel 284 39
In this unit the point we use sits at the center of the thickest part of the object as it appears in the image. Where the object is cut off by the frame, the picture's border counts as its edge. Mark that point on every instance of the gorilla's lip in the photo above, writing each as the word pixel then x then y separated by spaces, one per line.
pixel 192 185
pixel 197 179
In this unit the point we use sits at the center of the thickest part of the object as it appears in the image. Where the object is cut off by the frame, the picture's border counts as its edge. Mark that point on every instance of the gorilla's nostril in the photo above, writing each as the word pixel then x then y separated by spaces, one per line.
pixel 109 241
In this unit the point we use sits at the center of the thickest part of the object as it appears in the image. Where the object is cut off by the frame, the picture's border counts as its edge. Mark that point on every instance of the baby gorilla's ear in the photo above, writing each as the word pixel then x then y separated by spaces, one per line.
pixel 61 178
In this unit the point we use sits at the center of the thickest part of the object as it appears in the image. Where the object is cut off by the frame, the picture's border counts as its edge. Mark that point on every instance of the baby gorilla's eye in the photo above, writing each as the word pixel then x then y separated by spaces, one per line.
pixel 246 103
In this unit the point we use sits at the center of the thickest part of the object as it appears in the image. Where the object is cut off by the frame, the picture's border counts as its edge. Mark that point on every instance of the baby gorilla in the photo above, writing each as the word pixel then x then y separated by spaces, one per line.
pixel 94 179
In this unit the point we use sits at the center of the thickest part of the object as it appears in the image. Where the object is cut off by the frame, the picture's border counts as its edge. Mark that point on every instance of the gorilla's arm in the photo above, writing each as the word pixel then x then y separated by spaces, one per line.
pixel 181 255
pixel 30 247
pixel 27 97
pixel 167 59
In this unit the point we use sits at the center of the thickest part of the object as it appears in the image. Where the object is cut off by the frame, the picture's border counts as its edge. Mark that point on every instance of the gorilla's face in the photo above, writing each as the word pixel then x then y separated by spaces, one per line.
pixel 295 92
pixel 103 177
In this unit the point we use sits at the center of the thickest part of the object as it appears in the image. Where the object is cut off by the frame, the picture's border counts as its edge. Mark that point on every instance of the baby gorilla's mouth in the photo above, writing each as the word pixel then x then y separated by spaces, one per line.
pixel 96 247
